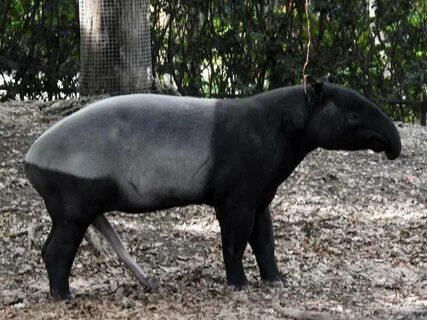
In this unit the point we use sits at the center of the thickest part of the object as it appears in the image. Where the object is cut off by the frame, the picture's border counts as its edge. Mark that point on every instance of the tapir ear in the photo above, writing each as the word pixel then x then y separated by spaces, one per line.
pixel 318 89
pixel 309 80
pixel 314 89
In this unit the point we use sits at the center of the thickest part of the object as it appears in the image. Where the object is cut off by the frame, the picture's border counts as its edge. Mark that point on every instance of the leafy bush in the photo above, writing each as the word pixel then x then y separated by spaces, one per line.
pixel 39 48
pixel 227 48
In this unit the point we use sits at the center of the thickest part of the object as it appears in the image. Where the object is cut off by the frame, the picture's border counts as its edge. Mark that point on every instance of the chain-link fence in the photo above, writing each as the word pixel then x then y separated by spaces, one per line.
pixel 115 47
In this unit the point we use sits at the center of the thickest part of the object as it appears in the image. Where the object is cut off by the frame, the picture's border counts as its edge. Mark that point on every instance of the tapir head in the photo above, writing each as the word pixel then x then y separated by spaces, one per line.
pixel 342 119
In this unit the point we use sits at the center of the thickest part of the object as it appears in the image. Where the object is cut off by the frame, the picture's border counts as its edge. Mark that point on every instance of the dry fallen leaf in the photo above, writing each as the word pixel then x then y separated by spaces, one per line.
pixel 350 230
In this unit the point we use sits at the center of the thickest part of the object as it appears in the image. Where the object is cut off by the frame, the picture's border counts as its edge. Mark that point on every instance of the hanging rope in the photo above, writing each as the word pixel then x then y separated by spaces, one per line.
pixel 307 57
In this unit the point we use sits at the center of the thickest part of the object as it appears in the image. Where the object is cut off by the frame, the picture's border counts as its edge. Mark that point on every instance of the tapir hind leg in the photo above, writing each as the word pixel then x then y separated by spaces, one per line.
pixel 59 256
pixel 61 246
pixel 46 243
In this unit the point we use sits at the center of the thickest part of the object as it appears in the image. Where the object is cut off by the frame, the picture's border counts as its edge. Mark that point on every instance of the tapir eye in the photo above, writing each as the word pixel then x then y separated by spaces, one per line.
pixel 353 119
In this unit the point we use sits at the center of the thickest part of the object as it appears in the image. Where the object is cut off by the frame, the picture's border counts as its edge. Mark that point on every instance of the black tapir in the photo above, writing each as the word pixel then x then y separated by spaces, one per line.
pixel 142 152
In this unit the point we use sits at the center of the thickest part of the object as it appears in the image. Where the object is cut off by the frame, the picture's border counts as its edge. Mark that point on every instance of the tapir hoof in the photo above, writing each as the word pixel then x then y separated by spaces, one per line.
pixel 152 285
pixel 59 296
pixel 241 285
pixel 241 288
pixel 273 284
pixel 280 284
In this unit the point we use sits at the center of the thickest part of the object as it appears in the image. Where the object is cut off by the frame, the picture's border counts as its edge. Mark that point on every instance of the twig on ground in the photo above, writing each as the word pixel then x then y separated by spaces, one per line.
pixel 29 231
pixel 309 315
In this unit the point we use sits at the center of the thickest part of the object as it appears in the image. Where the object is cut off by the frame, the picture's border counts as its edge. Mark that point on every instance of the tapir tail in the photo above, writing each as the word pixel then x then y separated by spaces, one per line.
pixel 106 229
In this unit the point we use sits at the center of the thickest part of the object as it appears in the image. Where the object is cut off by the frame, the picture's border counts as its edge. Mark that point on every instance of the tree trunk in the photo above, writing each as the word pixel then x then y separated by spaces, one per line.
pixel 115 47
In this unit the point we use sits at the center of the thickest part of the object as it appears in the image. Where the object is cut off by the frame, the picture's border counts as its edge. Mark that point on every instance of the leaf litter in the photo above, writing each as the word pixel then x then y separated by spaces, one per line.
pixel 350 230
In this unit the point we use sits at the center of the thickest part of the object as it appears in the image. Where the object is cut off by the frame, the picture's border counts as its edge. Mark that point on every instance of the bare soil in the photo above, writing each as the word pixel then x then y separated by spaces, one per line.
pixel 350 228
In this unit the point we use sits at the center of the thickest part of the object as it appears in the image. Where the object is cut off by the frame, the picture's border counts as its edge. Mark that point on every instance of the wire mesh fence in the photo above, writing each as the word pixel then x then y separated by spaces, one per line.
pixel 115 47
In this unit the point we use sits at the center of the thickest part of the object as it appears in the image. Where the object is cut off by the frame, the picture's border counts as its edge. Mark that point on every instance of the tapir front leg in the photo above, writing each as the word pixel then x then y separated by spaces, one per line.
pixel 262 243
pixel 236 226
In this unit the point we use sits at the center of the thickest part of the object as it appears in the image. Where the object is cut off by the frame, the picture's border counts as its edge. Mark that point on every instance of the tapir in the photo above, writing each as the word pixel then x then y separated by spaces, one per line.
pixel 143 152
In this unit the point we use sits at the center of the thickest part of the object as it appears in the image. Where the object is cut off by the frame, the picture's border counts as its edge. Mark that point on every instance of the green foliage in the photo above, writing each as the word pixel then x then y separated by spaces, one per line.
pixel 39 48
pixel 233 48
pixel 227 48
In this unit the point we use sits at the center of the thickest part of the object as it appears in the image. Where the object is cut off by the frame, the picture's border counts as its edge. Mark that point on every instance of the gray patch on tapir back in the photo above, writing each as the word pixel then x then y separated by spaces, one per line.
pixel 155 147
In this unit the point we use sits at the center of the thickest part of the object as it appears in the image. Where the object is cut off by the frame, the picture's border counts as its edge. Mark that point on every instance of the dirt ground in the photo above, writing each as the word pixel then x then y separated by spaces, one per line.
pixel 350 228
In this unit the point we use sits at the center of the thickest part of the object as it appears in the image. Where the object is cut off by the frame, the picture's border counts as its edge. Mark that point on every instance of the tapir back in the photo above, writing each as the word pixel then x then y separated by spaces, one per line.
pixel 156 148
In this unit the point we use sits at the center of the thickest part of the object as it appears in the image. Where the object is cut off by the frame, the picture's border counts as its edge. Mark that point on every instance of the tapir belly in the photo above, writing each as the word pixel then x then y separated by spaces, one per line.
pixel 156 159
